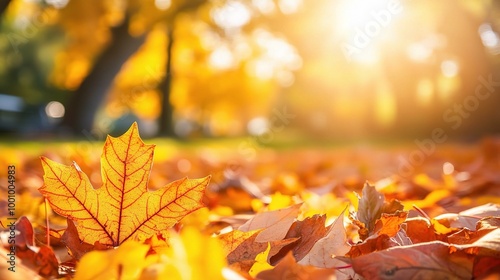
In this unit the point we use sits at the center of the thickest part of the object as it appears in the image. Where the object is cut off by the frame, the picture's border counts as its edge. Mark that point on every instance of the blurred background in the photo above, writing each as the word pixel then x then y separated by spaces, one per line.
pixel 316 69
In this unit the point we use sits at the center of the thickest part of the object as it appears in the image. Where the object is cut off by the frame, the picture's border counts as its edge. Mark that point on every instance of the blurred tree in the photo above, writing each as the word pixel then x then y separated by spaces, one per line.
pixel 92 91
pixel 3 6
pixel 86 100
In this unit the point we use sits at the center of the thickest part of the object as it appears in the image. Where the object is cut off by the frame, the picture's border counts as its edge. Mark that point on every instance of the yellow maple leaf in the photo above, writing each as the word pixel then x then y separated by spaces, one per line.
pixel 122 208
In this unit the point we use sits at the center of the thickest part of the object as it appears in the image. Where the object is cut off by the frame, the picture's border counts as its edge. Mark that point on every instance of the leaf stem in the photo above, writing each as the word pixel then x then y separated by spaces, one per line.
pixel 47 222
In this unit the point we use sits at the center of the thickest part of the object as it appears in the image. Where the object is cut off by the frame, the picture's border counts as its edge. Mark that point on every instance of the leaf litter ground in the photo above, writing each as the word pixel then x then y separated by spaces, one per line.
pixel 350 213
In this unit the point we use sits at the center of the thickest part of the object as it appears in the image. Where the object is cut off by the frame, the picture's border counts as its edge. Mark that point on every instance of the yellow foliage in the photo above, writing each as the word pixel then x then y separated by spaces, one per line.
pixel 429 201
pixel 325 204
pixel 125 262
pixel 190 256
pixel 261 262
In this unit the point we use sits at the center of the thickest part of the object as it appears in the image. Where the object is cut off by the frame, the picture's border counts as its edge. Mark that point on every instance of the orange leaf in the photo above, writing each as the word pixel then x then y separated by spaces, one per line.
pixel 122 208
pixel 390 223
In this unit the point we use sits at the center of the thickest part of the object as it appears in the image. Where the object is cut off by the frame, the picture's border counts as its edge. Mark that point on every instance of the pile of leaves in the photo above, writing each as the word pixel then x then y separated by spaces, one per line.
pixel 232 226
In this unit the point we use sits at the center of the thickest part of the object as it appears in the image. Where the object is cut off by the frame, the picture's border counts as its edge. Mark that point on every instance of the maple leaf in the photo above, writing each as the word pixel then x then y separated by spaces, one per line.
pixel 122 208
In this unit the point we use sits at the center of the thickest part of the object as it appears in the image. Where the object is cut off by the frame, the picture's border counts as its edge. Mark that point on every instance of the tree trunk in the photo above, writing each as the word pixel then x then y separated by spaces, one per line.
pixel 166 117
pixel 3 6
pixel 86 100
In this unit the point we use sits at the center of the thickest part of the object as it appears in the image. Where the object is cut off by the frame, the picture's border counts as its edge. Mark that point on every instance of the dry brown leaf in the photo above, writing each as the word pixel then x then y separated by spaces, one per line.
pixel 333 244
pixel 370 207
pixel 469 217
pixel 288 268
pixel 249 248
pixel 310 230
pixel 39 258
pixel 275 223
pixel 76 247
pixel 422 261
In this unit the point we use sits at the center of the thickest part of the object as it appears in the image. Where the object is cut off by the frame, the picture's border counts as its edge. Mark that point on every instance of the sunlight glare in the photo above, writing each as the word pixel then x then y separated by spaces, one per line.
pixel 368 56
pixel 289 6
pixel 232 15
pixel 163 4
pixel 264 6
pixel 55 109
pixel 58 4
pixel 385 106
pixel 261 68
pixel 425 91
pixel 222 58
pixel 258 126
pixel 358 13
pixel 489 38
pixel 277 55
pixel 449 68
pixel 419 52
pixel 448 168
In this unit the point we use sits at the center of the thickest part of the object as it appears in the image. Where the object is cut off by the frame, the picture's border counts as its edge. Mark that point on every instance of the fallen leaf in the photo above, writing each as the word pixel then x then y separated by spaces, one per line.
pixel 26 235
pixel 288 268
pixel 419 230
pixel 469 217
pixel 122 208
pixel 241 247
pixel 486 268
pixel 488 223
pixel 333 244
pixel 76 247
pixel 390 224
pixel 125 262
pixel 310 231
pixel 275 223
pixel 372 244
pixel 261 262
pixel 190 255
pixel 370 206
pixel 489 244
pixel 392 206
pixel 232 240
pixel 431 260
pixel 39 258
pixel 46 261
